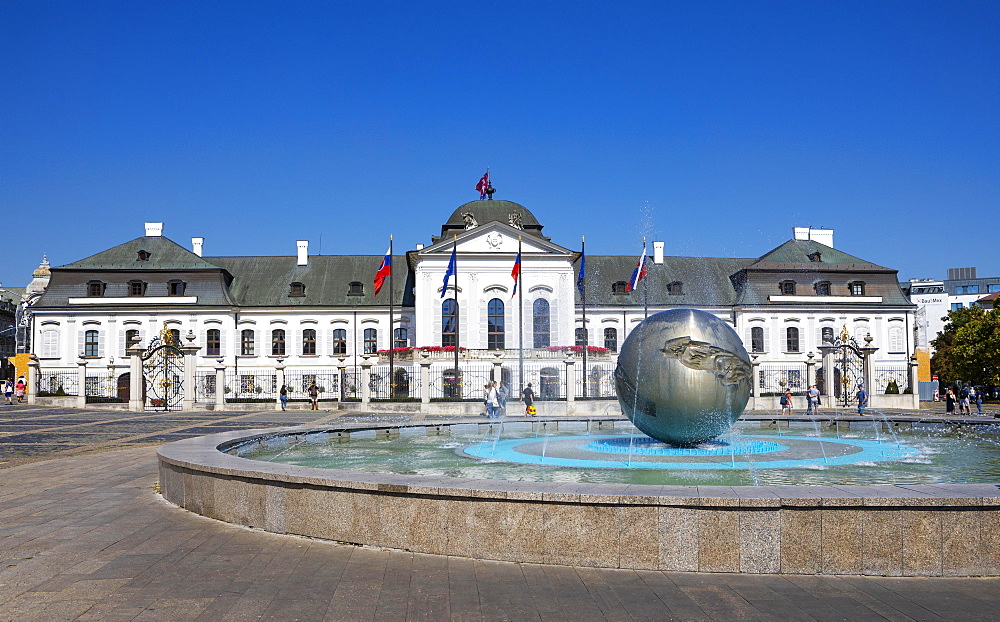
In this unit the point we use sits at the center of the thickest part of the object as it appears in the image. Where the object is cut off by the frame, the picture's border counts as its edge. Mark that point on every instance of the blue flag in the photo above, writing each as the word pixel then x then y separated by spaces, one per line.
pixel 583 271
pixel 451 271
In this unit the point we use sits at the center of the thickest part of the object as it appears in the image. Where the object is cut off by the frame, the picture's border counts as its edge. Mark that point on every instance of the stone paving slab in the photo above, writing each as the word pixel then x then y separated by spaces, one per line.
pixel 86 537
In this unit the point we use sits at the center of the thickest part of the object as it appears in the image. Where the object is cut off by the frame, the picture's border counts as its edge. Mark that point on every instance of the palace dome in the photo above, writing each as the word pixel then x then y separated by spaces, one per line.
pixel 487 211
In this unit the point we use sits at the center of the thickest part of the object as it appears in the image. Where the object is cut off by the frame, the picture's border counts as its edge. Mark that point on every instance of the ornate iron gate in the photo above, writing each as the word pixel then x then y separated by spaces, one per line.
pixel 848 367
pixel 163 374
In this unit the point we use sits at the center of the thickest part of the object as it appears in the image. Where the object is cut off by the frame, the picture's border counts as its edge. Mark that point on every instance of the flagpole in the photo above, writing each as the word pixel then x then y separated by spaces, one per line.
pixel 458 312
pixel 520 319
pixel 392 334
pixel 583 296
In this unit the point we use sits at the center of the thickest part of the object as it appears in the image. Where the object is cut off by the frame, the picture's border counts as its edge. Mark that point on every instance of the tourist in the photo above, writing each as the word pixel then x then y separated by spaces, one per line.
pixel 949 400
pixel 813 397
pixel 963 401
pixel 19 389
pixel 492 401
pixel 8 392
pixel 283 394
pixel 502 396
pixel 862 400
pixel 314 396
pixel 529 399
pixel 786 402
pixel 978 399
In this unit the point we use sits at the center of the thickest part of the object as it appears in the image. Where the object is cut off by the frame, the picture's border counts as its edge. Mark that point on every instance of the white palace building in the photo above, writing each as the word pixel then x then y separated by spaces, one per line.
pixel 246 325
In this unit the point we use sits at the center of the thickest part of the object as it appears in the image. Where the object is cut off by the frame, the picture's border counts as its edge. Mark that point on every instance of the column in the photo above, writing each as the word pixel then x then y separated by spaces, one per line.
pixel 81 381
pixel 220 384
pixel 810 370
pixel 366 378
pixel 828 377
pixel 914 388
pixel 136 399
pixel 33 374
pixel 279 371
pixel 425 380
pixel 754 382
pixel 341 378
pixel 190 388
pixel 570 379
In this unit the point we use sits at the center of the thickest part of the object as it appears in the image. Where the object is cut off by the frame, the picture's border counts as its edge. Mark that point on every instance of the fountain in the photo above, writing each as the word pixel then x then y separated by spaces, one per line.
pixel 690 494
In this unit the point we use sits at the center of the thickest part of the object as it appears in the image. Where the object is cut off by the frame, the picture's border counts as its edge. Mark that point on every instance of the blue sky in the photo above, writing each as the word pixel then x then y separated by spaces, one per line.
pixel 715 126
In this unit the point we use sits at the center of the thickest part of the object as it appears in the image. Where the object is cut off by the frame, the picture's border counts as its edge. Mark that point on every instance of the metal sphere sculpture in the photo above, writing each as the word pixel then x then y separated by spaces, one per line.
pixel 683 377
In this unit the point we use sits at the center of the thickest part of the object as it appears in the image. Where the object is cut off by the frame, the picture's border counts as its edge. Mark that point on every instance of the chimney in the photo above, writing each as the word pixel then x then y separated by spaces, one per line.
pixel 303 246
pixel 154 229
pixel 196 245
pixel 823 236
pixel 420 247
pixel 658 253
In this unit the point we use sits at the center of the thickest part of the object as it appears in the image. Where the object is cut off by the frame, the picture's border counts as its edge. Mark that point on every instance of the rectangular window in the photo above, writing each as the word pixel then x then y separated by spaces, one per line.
pixel 309 342
pixel 213 345
pixel 176 288
pixel 857 288
pixel 955 306
pixel 339 341
pixel 246 342
pixel 91 343
pixel 371 341
pixel 136 288
pixel 95 288
pixel 400 339
pixel 993 287
pixel 277 342
pixel 611 339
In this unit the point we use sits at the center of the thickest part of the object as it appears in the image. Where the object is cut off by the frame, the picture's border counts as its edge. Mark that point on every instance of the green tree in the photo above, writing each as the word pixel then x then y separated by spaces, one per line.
pixel 968 349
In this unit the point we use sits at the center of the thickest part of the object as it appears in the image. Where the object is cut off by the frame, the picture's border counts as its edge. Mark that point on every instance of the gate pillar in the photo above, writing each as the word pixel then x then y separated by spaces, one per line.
pixel 810 370
pixel 366 378
pixel 220 385
pixel 33 375
pixel 81 383
pixel 189 352
pixel 341 378
pixel 136 396
pixel 754 383
pixel 279 371
pixel 570 378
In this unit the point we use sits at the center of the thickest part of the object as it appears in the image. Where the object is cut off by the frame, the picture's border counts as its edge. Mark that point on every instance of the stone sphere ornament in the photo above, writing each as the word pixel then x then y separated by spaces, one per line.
pixel 683 377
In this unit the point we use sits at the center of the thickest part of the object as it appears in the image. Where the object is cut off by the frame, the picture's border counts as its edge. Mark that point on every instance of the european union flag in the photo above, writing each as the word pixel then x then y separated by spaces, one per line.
pixel 450 272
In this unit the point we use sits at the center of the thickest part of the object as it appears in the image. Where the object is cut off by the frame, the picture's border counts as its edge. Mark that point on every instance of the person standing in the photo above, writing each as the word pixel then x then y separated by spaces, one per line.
pixel 19 389
pixel 949 401
pixel 813 397
pixel 786 402
pixel 502 396
pixel 862 400
pixel 492 401
pixel 314 396
pixel 8 392
pixel 528 395
pixel 486 400
pixel 963 401
pixel 977 397
pixel 283 394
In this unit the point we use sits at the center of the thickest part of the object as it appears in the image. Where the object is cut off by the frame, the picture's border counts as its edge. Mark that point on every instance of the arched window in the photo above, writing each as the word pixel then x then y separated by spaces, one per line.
pixel 540 323
pixel 581 337
pixel 246 342
pixel 91 343
pixel 339 341
pixel 791 339
pixel 213 342
pixel 278 342
pixel 449 322
pixel 611 339
pixel 495 325
pixel 371 341
pixel 400 338
pixel 309 341
pixel 757 339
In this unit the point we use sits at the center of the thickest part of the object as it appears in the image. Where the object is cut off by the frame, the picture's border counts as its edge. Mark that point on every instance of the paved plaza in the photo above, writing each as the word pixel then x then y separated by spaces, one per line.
pixel 85 536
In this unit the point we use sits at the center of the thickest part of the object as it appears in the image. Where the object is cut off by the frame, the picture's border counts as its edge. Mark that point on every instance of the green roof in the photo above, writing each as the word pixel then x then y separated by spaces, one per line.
pixel 164 254
pixel 798 252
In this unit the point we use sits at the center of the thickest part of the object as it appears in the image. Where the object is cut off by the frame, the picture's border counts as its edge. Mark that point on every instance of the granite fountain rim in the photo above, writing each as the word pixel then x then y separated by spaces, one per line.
pixel 207 454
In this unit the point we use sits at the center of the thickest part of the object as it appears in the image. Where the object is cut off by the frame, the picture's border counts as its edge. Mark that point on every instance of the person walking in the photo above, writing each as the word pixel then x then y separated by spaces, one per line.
pixel 813 397
pixel 314 396
pixel 528 395
pixel 862 400
pixel 19 389
pixel 502 396
pixel 8 392
pixel 963 401
pixel 486 400
pixel 949 401
pixel 283 395
pixel 492 401
pixel 978 399
pixel 786 402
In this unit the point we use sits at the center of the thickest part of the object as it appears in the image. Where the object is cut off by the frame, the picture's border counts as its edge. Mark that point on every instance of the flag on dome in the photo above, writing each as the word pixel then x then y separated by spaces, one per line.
pixel 516 271
pixel 483 184
pixel 640 270
pixel 449 272
pixel 384 270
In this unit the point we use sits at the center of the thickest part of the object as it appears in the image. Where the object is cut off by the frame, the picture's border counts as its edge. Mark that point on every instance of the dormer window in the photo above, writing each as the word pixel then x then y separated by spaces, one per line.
pixel 815 257
pixel 857 288
pixel 143 255
pixel 618 288
pixel 675 289
pixel 95 289
pixel 822 288
pixel 176 288
pixel 297 290
pixel 356 288
pixel 136 288
pixel 787 288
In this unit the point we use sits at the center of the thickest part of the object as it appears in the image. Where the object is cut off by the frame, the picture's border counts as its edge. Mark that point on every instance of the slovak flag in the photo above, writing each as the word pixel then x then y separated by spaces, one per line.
pixel 383 271
pixel 640 271
pixel 483 184
pixel 515 273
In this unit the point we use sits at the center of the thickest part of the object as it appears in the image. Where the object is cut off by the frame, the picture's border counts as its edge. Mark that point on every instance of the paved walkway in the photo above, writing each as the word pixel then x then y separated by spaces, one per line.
pixel 84 536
